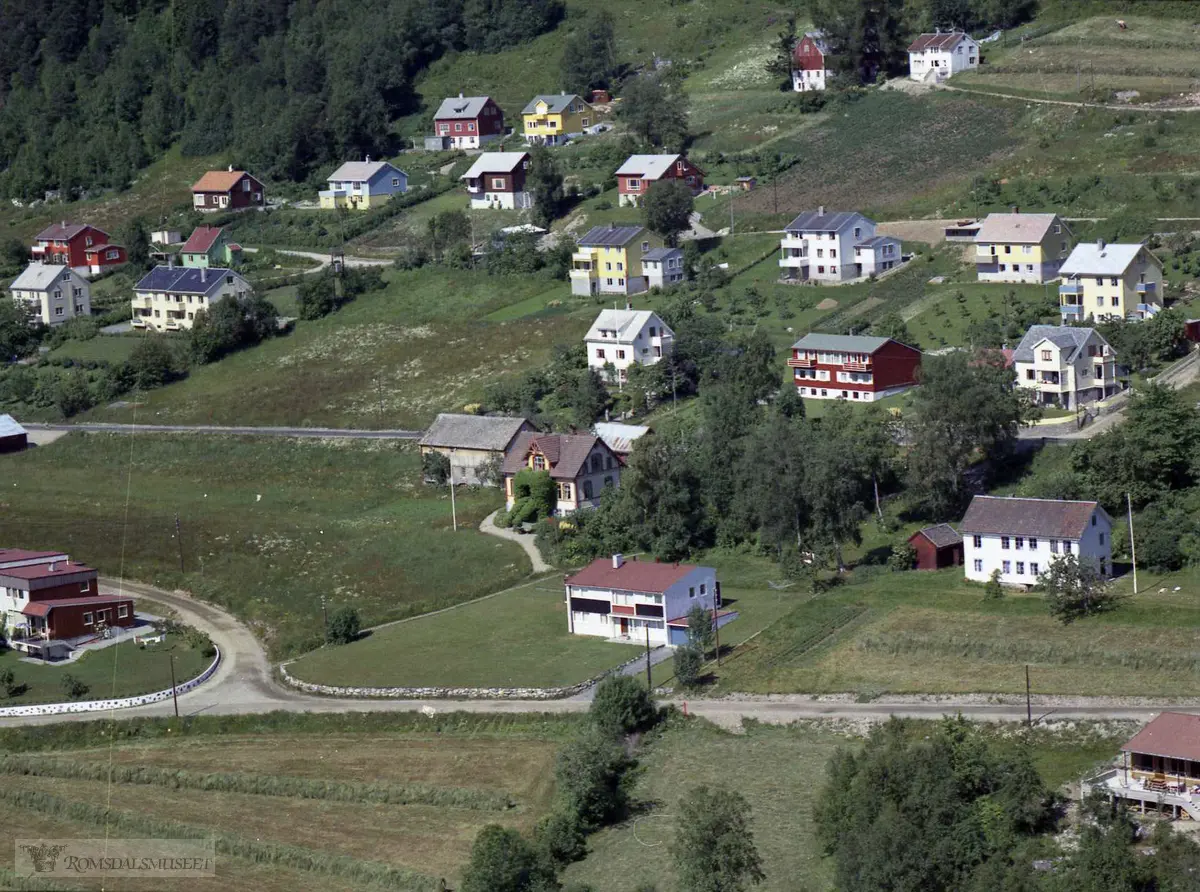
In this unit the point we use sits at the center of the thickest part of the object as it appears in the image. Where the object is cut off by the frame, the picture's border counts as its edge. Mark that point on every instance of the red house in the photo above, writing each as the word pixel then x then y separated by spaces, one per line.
pixel 467 122
pixel 937 547
pixel 58 599
pixel 810 62
pixel 81 246
pixel 227 190
pixel 852 367
pixel 640 172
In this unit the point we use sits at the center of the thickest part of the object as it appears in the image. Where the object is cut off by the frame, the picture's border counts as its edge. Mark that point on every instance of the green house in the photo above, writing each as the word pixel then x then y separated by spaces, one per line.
pixel 209 246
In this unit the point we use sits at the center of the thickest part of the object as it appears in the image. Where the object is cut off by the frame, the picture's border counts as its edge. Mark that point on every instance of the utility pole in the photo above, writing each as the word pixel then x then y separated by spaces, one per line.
pixel 453 508
pixel 649 683
pixel 1132 547
pixel 716 633
pixel 731 212
pixel 179 540
pixel 174 690
pixel 325 618
pixel 1028 700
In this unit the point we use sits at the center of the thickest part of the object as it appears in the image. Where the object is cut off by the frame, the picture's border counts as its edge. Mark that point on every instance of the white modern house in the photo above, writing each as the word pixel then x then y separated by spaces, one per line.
pixel 621 338
pixel 53 293
pixel 628 599
pixel 168 297
pixel 1105 282
pixel 941 55
pixel 1066 366
pixel 1020 538
pixel 833 247
pixel 663 267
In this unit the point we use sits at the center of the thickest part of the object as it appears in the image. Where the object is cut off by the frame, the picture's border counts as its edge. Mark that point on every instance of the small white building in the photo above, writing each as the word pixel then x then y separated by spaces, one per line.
pixel 1020 538
pixel 621 338
pixel 941 55
pixel 824 247
pixel 1066 366
pixel 496 181
pixel 53 293
pixel 624 599
pixel 877 255
pixel 166 237
pixel 663 267
pixel 619 437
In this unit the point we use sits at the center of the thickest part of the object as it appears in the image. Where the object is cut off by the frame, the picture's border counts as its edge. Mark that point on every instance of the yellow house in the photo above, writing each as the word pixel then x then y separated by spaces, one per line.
pixel 1102 281
pixel 1021 247
pixel 609 260
pixel 552 120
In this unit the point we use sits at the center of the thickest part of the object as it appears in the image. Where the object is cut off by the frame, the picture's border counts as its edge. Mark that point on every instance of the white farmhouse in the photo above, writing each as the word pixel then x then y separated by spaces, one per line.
pixel 941 55
pixel 1020 538
pixel 834 247
pixel 1065 366
pixel 621 338
pixel 53 293
pixel 624 599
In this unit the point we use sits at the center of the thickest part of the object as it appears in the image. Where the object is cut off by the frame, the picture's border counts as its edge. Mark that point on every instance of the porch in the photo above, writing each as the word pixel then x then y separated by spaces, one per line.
pixel 1175 795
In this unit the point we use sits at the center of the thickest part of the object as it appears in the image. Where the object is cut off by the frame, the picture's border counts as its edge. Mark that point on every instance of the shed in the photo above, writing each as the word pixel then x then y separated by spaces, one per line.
pixel 1192 330
pixel 13 437
pixel 937 547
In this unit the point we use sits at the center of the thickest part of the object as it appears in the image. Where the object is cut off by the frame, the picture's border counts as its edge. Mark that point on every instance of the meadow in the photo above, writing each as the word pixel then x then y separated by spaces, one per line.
pixel 269 527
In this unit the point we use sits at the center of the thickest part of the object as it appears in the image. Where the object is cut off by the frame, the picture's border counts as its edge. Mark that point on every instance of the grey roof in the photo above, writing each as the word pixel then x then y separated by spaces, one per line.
pixel 1041 518
pixel 461 107
pixel 38 277
pixel 1021 229
pixel 648 167
pixel 1063 336
pixel 822 42
pixel 183 280
pixel 619 437
pixel 816 221
pixel 494 162
pixel 839 343
pixel 877 240
pixel 473 431
pixel 626 323
pixel 941 535
pixel 610 235
pixel 1099 259
pixel 557 102
pixel 9 427
pixel 362 171
pixel 655 254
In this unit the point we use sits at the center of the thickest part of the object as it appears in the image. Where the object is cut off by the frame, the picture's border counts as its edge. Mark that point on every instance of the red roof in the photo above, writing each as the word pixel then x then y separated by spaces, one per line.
pixel 201 240
pixel 632 576
pixel 43 608
pixel 43 571
pixel 219 180
pixel 21 554
pixel 64 232
pixel 1175 735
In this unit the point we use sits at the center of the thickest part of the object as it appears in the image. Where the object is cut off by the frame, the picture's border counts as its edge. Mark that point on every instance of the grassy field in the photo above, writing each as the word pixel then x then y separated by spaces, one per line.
pixel 112 349
pixel 269 527
pixel 123 670
pixel 941 318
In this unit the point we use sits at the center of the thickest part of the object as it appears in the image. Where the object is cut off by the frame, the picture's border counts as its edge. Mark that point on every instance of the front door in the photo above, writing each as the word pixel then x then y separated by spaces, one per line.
pixel 624 627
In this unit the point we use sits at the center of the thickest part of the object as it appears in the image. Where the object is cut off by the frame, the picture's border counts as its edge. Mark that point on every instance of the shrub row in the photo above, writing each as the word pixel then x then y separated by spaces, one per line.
pixel 260 784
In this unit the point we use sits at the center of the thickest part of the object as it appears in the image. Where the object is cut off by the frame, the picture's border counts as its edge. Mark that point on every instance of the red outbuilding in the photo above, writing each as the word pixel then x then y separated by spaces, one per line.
pixel 937 547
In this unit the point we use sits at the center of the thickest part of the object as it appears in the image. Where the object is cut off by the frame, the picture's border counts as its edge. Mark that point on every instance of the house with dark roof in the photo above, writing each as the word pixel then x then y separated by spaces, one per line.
pixel 209 247
pixel 227 190
pixel 361 185
pixel 1159 768
pixel 466 122
pixel 811 57
pixel 1020 247
pixel 640 172
pixel 935 57
pixel 852 367
pixel 835 246
pixel 634 600
pixel 937 547
pixel 86 249
pixel 610 259
pixel 555 119
pixel 13 438
pixel 582 466
pixel 496 181
pixel 1066 366
pixel 1018 539
pixel 1110 282
pixel 472 443
pixel 663 267
pixel 619 339
pixel 48 597
pixel 168 297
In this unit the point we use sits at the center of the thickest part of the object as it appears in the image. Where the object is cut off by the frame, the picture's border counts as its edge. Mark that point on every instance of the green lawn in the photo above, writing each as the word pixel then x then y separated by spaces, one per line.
pixel 940 318
pixel 113 349
pixel 122 670
pixel 270 527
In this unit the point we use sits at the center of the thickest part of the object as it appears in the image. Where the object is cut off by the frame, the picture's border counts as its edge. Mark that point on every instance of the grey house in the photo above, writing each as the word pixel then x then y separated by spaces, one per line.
pixel 471 442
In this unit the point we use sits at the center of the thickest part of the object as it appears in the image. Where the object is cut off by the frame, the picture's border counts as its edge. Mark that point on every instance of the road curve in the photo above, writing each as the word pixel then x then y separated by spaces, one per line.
pixel 245 684
pixel 325 433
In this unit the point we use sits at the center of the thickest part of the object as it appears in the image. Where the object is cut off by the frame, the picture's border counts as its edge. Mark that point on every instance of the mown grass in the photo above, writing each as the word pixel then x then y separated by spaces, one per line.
pixel 269 527
pixel 113 349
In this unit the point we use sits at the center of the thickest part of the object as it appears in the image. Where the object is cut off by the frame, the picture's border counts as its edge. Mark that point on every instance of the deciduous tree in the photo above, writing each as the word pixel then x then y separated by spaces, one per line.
pixel 545 182
pixel 589 58
pixel 714 848
pixel 655 108
pixel 504 861
pixel 1075 589
pixel 667 209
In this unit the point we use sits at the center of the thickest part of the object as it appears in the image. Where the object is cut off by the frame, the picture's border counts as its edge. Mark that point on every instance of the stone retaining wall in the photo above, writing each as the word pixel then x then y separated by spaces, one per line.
pixel 119 703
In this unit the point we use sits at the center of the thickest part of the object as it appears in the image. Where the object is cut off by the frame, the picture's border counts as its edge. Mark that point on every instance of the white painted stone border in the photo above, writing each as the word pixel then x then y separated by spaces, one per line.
pixel 120 703
pixel 434 693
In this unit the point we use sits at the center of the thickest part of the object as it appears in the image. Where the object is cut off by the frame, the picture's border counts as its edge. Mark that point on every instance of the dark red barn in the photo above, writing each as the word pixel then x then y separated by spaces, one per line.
pixel 937 547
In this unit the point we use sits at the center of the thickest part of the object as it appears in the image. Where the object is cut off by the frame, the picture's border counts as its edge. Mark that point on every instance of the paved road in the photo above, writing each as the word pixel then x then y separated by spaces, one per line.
pixel 317 432
pixel 323 259
pixel 525 540
pixel 245 684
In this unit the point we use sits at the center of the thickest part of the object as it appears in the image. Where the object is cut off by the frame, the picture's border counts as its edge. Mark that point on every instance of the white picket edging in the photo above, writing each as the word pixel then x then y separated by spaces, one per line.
pixel 119 703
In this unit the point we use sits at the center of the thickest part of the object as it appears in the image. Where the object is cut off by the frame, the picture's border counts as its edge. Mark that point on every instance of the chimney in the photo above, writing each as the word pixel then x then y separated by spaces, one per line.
pixel 618 561
pixel 612 225
pixel 1016 209
pixel 231 168
pixel 203 275
pixel 1100 243
pixel 53 566
pixel 368 157
pixel 821 210
pixel 460 95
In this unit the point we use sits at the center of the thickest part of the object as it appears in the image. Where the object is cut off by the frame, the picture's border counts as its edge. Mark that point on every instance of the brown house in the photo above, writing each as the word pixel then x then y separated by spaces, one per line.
pixel 581 465
pixel 640 172
pixel 1159 769
pixel 937 547
pixel 227 190
pixel 58 599
pixel 497 181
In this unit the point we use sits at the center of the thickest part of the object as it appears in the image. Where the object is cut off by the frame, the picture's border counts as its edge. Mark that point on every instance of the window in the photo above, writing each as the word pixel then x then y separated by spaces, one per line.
pixel 58 311
pixel 1054 546
pixel 1029 374
pixel 651 331
pixel 608 265
pixel 539 463
pixel 978 543
pixel 1045 356
pixel 858 232
pixel 458 128
pixel 123 611
pixel 978 566
pixel 620 266
pixel 1033 569
pixel 86 585
pixel 1113 281
pixel 1093 520
pixel 608 482
pixel 587 490
pixel 1029 267
pixel 245 185
pixel 620 281
pixel 1004 542
pixel 1006 567
pixel 1008 249
pixel 1032 543
pixel 1003 267
pixel 1101 538
pixel 564 492
pixel 1027 249
pixel 645 246
pixel 599 352
pixel 1020 542
pixel 820 252
pixel 1020 568
pixel 620 354
pixel 87 619
pixel 497 182
pixel 1116 301
pixel 691 591
pixel 1066 547
pixel 395 181
pixel 833 269
pixel 635 186
pixel 703 589
pixel 833 252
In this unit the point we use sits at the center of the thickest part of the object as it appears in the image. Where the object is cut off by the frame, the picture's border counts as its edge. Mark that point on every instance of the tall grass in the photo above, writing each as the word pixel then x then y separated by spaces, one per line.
pixel 808 626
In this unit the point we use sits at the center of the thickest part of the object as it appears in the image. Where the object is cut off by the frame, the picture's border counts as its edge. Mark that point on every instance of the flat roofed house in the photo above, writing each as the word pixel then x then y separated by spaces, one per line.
pixel 859 368
pixel 53 293
pixel 1159 770
pixel 630 599
pixel 496 181
pixel 471 442
pixel 1020 247
pixel 1108 282
pixel 582 466
pixel 1065 365
pixel 1020 538
pixel 361 185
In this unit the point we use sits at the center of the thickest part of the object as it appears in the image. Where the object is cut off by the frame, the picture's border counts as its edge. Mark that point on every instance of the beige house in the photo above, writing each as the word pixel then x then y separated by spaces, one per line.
pixel 1065 366
pixel 582 466
pixel 1020 247
pixel 168 297
pixel 472 442
pixel 53 293
pixel 1102 281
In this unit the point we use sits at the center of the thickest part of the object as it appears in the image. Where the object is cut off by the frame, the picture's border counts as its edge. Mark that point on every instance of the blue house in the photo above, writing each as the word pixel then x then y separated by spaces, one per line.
pixel 358 185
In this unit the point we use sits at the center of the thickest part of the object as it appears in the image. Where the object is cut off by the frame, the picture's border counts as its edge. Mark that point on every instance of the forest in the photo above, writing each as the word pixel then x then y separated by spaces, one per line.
pixel 93 90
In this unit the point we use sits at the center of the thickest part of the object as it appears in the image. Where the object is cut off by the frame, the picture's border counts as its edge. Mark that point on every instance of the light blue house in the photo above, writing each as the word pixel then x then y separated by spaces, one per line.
pixel 358 185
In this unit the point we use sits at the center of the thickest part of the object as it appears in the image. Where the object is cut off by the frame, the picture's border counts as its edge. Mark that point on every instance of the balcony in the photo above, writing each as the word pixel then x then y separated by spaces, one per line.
pixel 1071 312
pixel 855 366
pixel 1150 288
pixel 1073 289
pixel 802 363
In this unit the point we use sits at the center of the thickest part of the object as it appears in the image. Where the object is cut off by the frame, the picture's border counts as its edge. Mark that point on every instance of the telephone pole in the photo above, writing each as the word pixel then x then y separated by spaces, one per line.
pixel 649 683
pixel 453 508
pixel 1028 700
pixel 174 689
pixel 179 541
pixel 1132 547
pixel 325 618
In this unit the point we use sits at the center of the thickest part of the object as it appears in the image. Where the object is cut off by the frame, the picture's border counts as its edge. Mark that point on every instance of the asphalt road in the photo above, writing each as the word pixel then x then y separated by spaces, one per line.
pixel 245 684
pixel 315 432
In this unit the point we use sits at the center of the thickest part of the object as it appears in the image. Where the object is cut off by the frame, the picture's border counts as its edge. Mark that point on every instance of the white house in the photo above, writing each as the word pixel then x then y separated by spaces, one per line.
pixel 941 55
pixel 624 599
pixel 1102 282
pixel 1065 366
pixel 834 246
pixel 623 337
pixel 663 267
pixel 168 297
pixel 1022 537
pixel 53 293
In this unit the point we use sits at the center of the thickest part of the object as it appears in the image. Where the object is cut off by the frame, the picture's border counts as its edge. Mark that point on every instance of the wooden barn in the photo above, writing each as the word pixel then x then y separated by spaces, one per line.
pixel 12 436
pixel 937 547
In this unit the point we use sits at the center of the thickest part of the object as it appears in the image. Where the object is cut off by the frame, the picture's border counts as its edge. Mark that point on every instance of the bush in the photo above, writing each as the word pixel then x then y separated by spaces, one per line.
pixel 688 662
pixel 344 625
pixel 504 861
pixel 561 838
pixel 594 778
pixel 435 468
pixel 73 687
pixel 622 706
pixel 903 557
pixel 992 589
